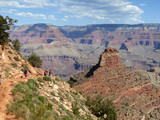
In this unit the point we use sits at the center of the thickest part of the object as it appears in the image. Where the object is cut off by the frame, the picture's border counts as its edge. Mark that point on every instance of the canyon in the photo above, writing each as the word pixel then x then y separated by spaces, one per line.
pixel 134 94
pixel 68 50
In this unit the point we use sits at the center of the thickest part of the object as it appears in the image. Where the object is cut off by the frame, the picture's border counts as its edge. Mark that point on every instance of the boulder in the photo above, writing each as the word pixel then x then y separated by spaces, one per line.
pixel 31 69
pixel 39 71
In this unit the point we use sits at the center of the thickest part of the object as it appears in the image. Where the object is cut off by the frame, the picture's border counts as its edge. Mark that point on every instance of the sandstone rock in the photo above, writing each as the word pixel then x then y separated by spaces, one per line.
pixel 110 57
pixel 31 69
pixel 39 71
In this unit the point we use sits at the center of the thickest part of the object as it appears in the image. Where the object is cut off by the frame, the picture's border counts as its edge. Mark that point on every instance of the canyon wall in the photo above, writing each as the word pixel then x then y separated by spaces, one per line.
pixel 76 48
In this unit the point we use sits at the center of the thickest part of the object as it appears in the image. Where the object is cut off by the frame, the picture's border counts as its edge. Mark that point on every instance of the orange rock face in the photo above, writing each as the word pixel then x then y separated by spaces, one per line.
pixel 110 57
pixel 133 95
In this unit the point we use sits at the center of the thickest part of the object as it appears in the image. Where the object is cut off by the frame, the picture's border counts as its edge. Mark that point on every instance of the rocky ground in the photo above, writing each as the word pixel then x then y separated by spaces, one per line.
pixel 58 92
pixel 133 94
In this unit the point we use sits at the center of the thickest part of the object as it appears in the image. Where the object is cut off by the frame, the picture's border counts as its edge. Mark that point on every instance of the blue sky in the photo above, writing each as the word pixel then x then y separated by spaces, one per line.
pixel 81 12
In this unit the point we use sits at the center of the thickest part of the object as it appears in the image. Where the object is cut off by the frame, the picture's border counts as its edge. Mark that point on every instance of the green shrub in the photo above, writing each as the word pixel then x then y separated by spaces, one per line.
pixel 16 58
pixel 52 93
pixel 71 83
pixel 68 97
pixel 75 108
pixel 32 84
pixel 58 79
pixel 30 106
pixel 101 107
pixel 46 78
pixel 42 99
pixel 50 86
pixel 61 98
pixel 55 101
pixel 25 66
pixel 16 44
pixel 14 92
pixel 14 64
pixel 35 60
pixel 53 81
pixel 10 52
pixel 39 79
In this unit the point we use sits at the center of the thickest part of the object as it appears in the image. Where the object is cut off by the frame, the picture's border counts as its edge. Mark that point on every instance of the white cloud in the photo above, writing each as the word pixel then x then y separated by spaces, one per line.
pixel 51 17
pixel 8 10
pixel 35 16
pixel 26 3
pixel 64 19
pixel 66 16
pixel 112 11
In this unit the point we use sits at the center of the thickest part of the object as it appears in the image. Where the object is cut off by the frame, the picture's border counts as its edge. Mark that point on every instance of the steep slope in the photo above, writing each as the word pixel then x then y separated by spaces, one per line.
pixel 134 96
pixel 12 64
pixel 28 99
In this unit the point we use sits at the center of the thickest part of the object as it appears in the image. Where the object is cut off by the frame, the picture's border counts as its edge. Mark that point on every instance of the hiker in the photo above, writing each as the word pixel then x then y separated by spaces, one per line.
pixel 50 72
pixel 25 72
pixel 0 79
pixel 46 72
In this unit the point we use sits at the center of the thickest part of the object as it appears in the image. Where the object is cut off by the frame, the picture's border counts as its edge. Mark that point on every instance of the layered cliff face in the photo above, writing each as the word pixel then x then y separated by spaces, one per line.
pixel 132 93
pixel 138 44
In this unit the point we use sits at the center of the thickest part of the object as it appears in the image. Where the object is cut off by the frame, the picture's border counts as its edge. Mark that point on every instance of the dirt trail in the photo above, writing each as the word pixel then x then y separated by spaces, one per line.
pixel 6 96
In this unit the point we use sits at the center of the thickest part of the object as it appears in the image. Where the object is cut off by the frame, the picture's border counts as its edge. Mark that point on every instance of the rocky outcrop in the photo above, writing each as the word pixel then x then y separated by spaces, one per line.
pixel 132 93
pixel 110 57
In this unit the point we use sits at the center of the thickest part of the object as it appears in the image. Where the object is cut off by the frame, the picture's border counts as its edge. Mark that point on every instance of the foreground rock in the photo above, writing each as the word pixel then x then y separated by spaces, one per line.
pixel 134 96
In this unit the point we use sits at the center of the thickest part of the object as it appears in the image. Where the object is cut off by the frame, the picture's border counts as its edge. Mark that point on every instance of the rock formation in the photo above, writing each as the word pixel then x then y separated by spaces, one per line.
pixel 110 57
pixel 133 94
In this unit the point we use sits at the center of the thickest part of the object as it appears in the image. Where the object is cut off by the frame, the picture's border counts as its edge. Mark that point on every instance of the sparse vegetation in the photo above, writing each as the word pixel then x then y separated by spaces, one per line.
pixel 9 57
pixel 102 108
pixel 14 65
pixel 71 83
pixel 52 93
pixel 16 45
pixel 24 66
pixel 46 78
pixel 39 79
pixel 16 58
pixel 75 108
pixel 6 70
pixel 35 60
pixel 10 52
pixel 30 105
